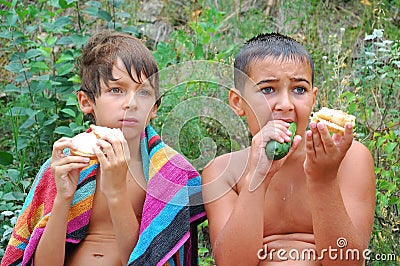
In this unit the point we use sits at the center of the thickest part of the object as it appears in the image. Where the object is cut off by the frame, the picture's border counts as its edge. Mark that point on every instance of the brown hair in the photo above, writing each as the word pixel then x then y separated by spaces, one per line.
pixel 101 52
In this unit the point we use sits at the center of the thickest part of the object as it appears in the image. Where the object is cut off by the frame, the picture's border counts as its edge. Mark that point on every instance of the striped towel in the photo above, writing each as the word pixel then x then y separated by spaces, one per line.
pixel 171 211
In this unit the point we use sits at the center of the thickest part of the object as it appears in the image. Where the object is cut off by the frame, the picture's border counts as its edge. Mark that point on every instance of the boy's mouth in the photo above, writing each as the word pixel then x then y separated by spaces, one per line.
pixel 288 120
pixel 129 121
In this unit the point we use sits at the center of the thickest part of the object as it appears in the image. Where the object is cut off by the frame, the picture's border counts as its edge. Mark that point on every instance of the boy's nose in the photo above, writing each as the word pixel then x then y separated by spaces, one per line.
pixel 284 103
pixel 130 101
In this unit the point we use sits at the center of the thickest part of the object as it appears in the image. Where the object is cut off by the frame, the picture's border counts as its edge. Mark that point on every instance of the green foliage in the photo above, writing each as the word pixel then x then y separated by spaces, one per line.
pixel 355 50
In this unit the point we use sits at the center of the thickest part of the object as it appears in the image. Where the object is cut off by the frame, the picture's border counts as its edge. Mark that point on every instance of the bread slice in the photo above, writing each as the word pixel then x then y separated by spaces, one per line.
pixel 335 120
pixel 86 141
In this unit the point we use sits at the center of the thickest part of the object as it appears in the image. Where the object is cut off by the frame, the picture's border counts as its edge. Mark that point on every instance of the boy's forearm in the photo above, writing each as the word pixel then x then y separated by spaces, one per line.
pixel 332 225
pixel 54 236
pixel 125 224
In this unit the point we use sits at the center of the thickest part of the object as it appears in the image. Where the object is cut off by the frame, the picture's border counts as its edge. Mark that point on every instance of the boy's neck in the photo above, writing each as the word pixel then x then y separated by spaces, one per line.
pixel 134 149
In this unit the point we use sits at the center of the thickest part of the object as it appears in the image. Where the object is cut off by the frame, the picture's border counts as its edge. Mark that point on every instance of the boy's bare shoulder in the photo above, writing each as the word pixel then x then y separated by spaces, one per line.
pixel 357 166
pixel 359 153
pixel 228 167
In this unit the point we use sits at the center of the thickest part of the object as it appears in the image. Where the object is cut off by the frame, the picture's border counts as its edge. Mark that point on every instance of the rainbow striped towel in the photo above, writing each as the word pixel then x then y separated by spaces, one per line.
pixel 171 211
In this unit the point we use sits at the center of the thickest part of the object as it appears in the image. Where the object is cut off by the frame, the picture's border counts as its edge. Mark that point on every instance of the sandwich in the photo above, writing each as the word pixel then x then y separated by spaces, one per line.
pixel 335 120
pixel 86 141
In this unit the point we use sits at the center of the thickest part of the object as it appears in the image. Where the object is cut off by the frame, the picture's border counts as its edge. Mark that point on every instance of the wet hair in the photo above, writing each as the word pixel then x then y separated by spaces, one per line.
pixel 100 54
pixel 265 45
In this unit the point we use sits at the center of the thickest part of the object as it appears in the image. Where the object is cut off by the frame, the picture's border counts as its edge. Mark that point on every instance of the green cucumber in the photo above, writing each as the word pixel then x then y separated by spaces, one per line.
pixel 276 150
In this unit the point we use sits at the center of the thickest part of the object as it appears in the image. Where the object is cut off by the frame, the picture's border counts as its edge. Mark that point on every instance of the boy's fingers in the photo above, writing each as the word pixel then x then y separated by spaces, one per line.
pixel 60 145
pixel 310 151
pixel 347 137
pixel 101 153
pixel 326 139
pixel 69 160
pixel 296 142
pixel 69 167
pixel 316 137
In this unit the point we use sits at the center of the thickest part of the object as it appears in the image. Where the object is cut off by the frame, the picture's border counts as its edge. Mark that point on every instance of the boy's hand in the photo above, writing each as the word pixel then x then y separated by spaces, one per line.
pixel 261 168
pixel 66 168
pixel 113 155
pixel 324 153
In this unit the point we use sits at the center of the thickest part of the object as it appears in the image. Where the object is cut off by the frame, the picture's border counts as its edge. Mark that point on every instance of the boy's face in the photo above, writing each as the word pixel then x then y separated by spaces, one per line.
pixel 122 103
pixel 277 90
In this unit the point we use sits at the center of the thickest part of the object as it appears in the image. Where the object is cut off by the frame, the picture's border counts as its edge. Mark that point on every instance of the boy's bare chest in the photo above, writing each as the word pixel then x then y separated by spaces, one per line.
pixel 100 216
pixel 287 207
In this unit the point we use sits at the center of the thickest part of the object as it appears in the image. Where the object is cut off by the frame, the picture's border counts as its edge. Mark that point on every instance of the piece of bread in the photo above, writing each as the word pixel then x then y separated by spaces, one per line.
pixel 335 120
pixel 86 141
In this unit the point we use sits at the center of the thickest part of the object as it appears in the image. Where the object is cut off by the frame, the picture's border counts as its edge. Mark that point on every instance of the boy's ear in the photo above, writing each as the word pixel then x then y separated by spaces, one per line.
pixel 153 112
pixel 85 103
pixel 315 93
pixel 236 101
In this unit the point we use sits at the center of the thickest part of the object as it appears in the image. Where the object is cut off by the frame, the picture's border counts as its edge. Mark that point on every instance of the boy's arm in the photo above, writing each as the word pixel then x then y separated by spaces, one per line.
pixel 125 224
pixel 66 175
pixel 342 197
pixel 113 158
pixel 235 221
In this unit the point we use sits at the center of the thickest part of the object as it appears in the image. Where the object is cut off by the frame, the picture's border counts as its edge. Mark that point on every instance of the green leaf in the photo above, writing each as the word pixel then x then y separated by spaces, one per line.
pixel 28 123
pixel 198 52
pixel 65 57
pixel 14 67
pixel 66 3
pixel 46 51
pixel 65 69
pixel 132 30
pixel 65 131
pixel 78 40
pixel 14 195
pixel 104 15
pixel 389 147
pixel 75 78
pixel 94 3
pixel 61 22
pixel 6 158
pixel 6 3
pixel 33 53
pixel 51 120
pixel 91 11
pixel 12 88
pixel 40 66
pixel 51 41
pixel 11 19
pixel 66 40
pixel 68 111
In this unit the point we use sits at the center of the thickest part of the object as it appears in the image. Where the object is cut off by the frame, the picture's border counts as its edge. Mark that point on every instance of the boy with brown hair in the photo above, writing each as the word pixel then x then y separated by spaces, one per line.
pixel 319 199
pixel 136 202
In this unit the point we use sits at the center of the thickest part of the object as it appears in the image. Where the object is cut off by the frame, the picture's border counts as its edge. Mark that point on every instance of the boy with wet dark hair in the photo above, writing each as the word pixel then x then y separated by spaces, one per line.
pixel 298 210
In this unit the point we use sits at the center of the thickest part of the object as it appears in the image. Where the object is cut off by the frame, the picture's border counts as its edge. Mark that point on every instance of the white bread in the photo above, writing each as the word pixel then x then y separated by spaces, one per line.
pixel 335 120
pixel 86 141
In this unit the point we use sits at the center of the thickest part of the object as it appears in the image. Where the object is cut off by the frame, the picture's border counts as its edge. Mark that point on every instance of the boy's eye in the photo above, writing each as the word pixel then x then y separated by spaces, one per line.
pixel 144 92
pixel 267 90
pixel 300 90
pixel 115 90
